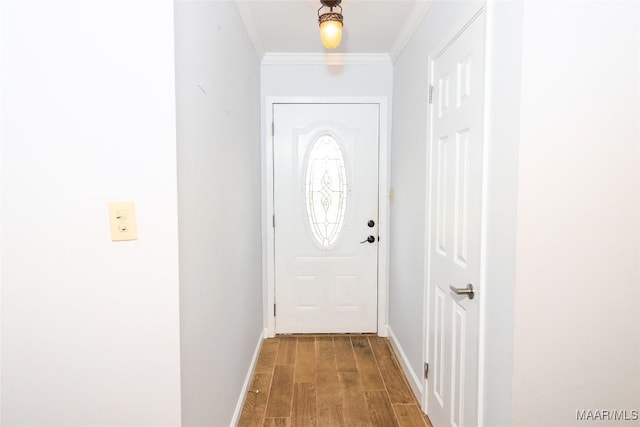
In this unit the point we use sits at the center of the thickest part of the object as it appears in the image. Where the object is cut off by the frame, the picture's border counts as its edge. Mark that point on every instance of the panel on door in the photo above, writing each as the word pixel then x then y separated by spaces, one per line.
pixel 326 217
pixel 455 228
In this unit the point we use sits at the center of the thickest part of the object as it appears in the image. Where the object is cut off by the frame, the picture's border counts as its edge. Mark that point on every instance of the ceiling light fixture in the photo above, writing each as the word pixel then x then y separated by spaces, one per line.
pixel 330 24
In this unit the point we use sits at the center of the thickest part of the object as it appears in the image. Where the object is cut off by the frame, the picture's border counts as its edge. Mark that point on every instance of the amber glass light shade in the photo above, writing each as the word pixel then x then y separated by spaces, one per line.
pixel 331 33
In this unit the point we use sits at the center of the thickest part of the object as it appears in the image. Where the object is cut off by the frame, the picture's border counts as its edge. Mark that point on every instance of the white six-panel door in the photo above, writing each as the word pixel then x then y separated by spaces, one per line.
pixel 326 206
pixel 455 228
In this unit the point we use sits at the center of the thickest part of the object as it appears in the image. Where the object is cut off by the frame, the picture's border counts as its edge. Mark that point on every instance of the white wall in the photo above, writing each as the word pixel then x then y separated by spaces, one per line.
pixel 90 328
pixel 2 35
pixel 409 176
pixel 220 218
pixel 326 80
pixel 577 329
pixel 503 81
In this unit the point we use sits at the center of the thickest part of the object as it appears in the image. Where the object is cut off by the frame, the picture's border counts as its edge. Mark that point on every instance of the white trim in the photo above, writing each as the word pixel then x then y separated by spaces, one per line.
pixel 414 379
pixel 488 56
pixel 383 201
pixel 289 58
pixel 247 18
pixel 427 246
pixel 416 16
pixel 384 209
pixel 247 381
pixel 268 253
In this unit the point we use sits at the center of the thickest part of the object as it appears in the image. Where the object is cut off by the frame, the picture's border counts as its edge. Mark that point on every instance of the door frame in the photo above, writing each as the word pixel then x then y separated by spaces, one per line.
pixel 461 24
pixel 268 234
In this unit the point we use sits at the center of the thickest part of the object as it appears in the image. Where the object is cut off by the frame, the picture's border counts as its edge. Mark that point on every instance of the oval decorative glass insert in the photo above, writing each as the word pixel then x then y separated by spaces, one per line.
pixel 326 191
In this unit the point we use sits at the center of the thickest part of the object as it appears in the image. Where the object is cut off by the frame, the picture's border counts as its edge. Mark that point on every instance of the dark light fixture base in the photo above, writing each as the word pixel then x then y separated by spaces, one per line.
pixel 330 16
pixel 330 3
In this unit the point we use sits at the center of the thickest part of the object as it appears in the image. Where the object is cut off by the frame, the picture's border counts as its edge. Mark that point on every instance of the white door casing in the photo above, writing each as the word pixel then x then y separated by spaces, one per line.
pixel 455 225
pixel 325 277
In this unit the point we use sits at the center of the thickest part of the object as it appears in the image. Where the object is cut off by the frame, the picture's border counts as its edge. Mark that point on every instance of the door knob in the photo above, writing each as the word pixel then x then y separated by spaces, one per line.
pixel 371 223
pixel 370 239
pixel 468 291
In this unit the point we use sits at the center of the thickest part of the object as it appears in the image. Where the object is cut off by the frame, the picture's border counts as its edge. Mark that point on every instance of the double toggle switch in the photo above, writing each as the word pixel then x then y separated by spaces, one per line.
pixel 122 221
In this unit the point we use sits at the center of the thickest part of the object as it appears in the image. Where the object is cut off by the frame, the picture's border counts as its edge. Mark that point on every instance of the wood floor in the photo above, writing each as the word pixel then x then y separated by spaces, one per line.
pixel 329 380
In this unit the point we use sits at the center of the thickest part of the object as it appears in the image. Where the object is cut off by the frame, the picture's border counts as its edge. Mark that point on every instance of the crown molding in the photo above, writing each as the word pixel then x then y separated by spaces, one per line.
pixel 419 11
pixel 286 58
pixel 247 18
pixel 416 16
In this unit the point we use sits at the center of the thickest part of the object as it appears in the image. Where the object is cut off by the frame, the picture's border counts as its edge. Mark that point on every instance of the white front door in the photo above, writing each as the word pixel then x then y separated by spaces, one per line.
pixel 455 228
pixel 326 207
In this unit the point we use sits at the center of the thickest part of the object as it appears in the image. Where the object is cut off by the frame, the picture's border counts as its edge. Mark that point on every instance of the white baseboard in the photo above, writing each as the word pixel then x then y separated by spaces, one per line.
pixel 247 381
pixel 414 380
pixel 383 331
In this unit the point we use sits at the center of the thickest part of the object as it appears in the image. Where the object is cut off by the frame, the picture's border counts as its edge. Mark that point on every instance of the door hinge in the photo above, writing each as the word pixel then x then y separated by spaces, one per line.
pixel 430 94
pixel 274 221
pixel 274 310
pixel 426 371
pixel 273 129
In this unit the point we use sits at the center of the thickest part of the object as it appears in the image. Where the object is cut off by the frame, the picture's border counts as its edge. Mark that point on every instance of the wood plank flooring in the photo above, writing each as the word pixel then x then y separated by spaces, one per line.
pixel 327 381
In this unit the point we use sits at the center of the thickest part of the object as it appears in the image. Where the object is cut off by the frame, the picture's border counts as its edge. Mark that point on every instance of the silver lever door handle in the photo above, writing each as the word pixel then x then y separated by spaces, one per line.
pixel 468 291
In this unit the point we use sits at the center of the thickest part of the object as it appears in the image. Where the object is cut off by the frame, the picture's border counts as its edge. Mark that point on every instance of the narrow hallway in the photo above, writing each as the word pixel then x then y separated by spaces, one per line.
pixel 329 380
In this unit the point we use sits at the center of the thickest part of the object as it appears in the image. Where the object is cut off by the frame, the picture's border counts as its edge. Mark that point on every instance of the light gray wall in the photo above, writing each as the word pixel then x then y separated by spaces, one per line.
pixel 90 327
pixel 576 327
pixel 409 177
pixel 218 111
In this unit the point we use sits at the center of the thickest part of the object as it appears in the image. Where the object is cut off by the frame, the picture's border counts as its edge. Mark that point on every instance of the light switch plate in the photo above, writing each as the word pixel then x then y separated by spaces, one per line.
pixel 122 220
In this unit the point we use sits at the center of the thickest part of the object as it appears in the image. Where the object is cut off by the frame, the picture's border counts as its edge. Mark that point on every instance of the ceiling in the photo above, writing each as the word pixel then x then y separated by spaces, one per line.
pixel 370 26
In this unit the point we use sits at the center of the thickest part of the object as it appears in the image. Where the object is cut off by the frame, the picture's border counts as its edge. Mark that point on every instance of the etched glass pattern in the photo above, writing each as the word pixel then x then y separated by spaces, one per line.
pixel 326 191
